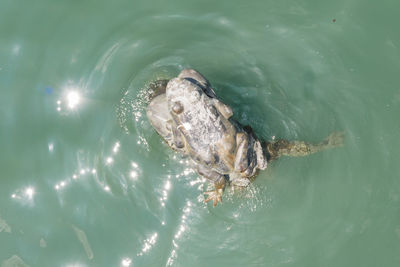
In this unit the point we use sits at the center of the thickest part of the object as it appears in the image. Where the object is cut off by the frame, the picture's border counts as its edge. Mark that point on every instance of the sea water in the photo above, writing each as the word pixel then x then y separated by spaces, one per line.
pixel 86 181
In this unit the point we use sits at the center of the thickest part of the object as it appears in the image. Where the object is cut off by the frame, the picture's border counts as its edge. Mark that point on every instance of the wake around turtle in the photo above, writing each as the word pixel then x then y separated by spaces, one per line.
pixel 188 115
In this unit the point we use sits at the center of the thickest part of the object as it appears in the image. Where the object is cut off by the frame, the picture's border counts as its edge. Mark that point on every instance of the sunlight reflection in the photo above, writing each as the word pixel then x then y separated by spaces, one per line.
pixel 80 174
pixel 51 147
pixel 188 171
pixel 25 196
pixel 116 147
pixel 134 165
pixel 29 192
pixel 73 99
pixel 148 244
pixel 171 258
pixel 133 175
pixel 60 185
pixel 126 262
pixel 167 187
pixel 183 227
pixel 58 105
pixel 199 180
pixel 109 160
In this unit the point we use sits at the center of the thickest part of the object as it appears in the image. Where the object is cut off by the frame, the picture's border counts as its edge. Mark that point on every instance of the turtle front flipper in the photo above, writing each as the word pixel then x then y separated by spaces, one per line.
pixel 219 184
pixel 216 195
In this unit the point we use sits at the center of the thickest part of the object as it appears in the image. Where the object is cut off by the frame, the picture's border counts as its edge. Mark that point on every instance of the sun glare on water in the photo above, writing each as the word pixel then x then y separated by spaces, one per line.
pixel 73 99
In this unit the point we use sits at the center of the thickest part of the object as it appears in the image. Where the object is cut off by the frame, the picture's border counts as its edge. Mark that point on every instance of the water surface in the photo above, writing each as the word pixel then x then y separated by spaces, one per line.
pixel 85 180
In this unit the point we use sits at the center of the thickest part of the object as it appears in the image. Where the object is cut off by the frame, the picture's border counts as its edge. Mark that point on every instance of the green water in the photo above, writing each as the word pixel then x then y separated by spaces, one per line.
pixel 85 180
